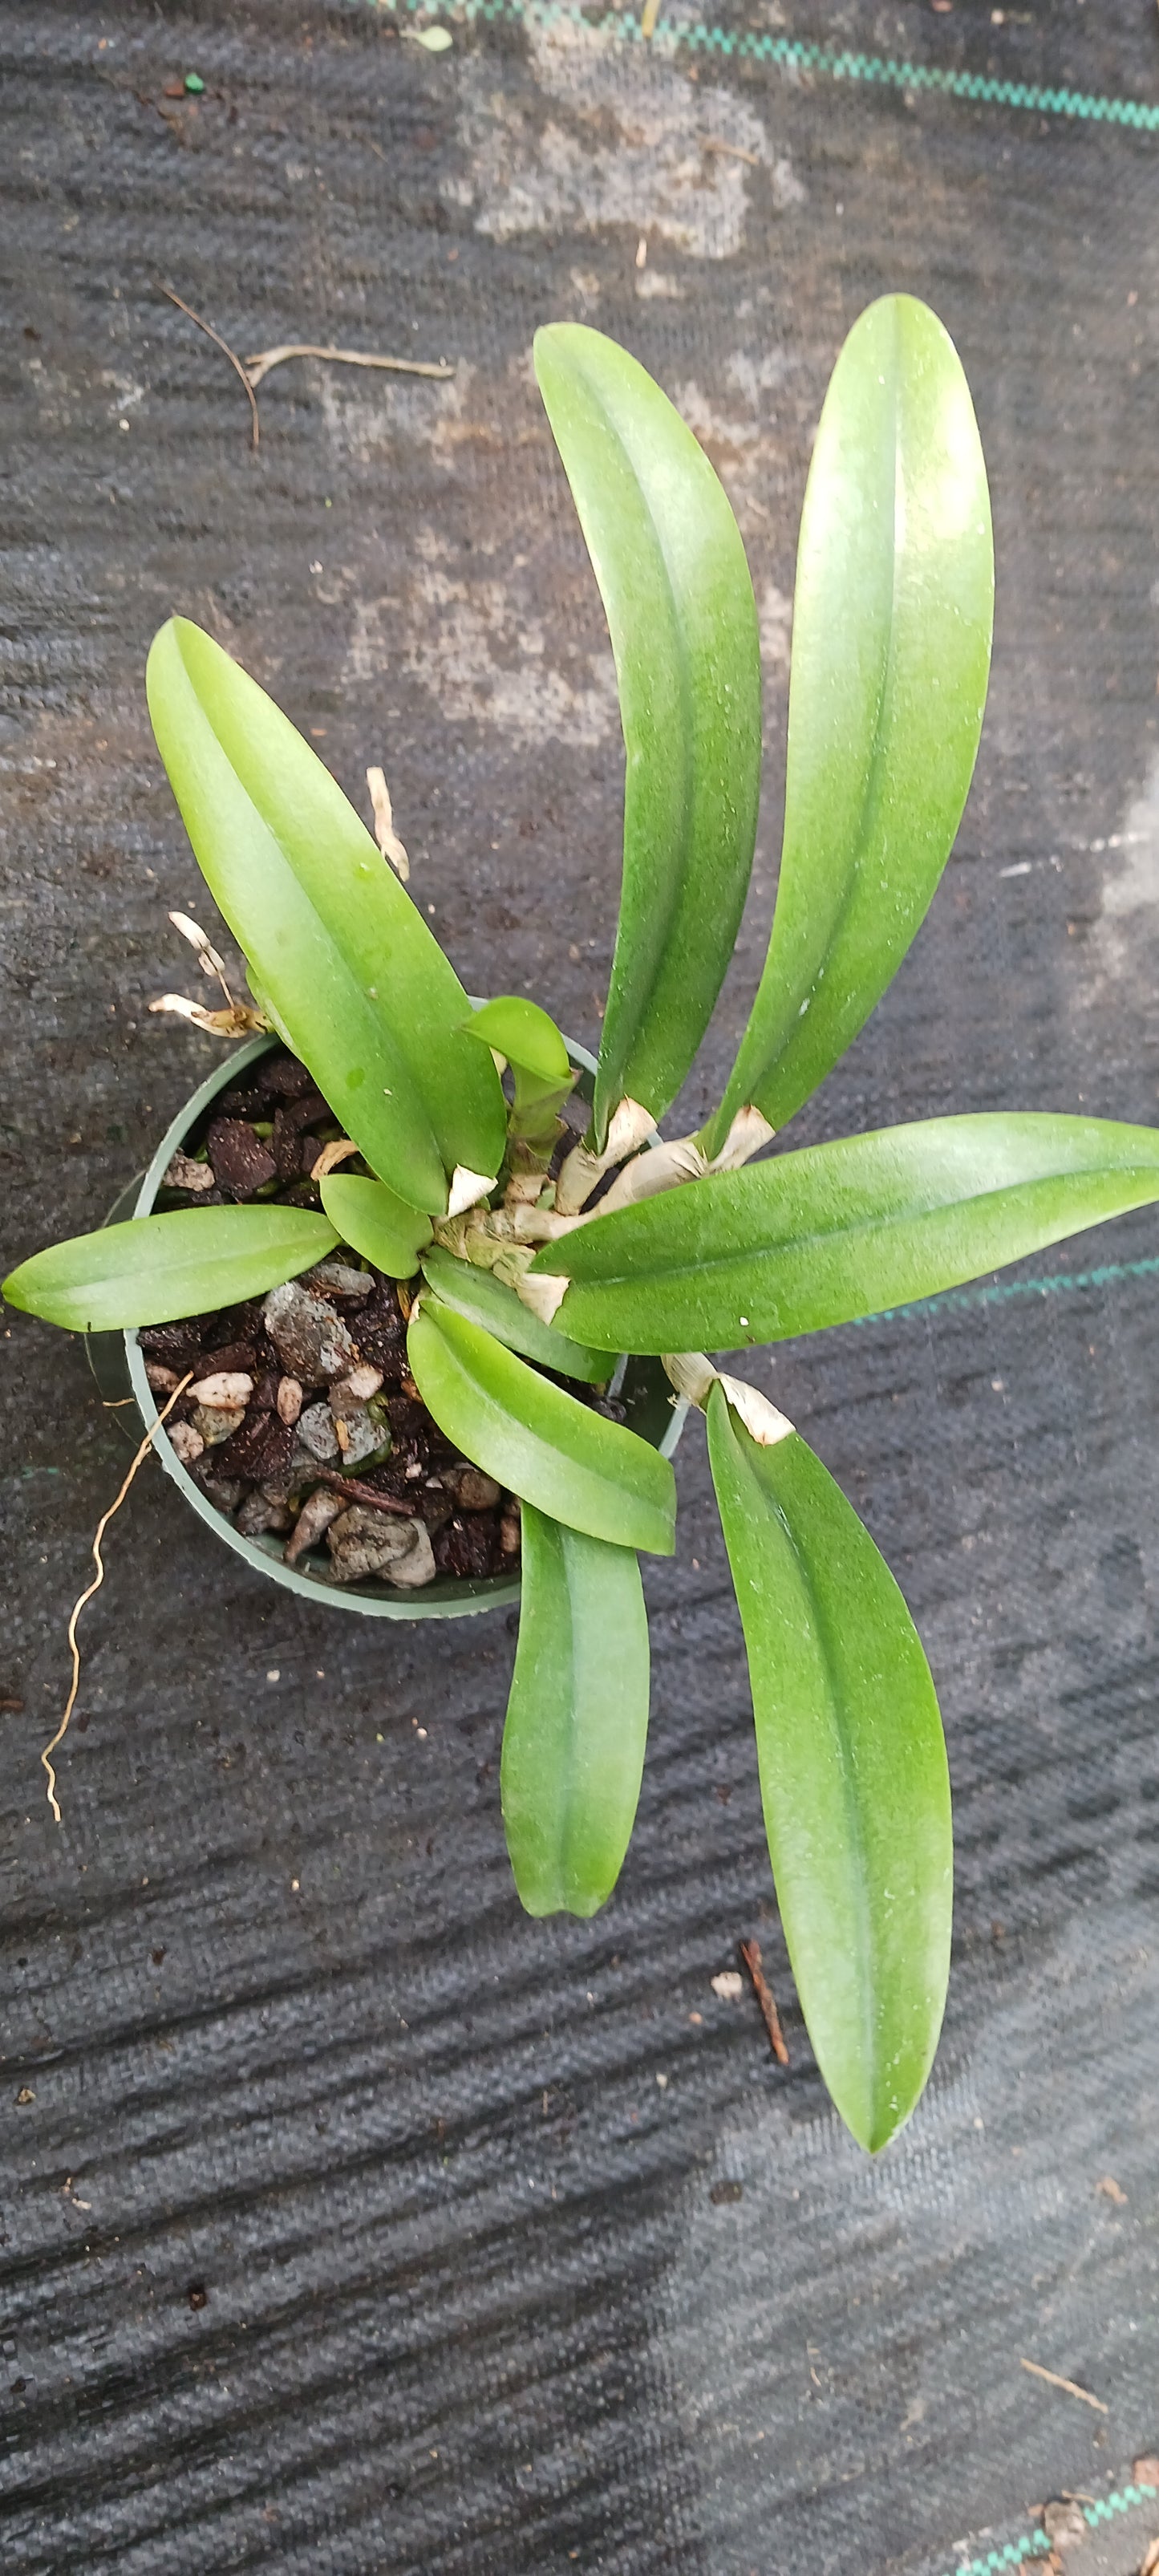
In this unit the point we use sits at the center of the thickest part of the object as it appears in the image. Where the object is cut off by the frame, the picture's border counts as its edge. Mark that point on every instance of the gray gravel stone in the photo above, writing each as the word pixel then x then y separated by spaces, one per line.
pixel 363 1542
pixel 311 1341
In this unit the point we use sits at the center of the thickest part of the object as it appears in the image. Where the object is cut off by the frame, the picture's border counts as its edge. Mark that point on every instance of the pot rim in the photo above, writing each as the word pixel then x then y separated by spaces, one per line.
pixel 450 1596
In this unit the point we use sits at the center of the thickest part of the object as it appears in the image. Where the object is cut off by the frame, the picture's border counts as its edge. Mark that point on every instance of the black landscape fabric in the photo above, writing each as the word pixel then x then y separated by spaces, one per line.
pixel 353 2223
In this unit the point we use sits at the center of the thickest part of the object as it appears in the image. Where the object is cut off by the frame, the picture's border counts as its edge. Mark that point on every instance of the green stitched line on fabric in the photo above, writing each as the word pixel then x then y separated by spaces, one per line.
pixel 793 54
pixel 1033 2542
pixel 1064 1282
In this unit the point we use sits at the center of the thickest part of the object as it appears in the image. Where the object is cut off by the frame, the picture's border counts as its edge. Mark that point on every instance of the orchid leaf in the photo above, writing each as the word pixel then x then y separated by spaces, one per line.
pixel 891 653
pixel 351 974
pixel 671 568
pixel 376 1223
pixel 577 1718
pixel 525 1034
pixel 843 1230
pixel 155 1269
pixel 487 1301
pixel 540 1442
pixel 853 1773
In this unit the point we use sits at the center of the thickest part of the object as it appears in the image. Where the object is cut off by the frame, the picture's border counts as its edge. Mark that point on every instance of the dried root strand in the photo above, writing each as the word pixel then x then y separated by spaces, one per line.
pixel 94 1586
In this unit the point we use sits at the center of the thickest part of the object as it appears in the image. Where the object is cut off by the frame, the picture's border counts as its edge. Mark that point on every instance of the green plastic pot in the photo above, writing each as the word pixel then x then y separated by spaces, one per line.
pixel 119 1369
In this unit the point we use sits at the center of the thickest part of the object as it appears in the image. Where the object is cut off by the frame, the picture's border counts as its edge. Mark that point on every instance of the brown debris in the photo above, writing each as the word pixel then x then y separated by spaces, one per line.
pixel 1069 2386
pixel 1065 2524
pixel 750 1952
pixel 242 1162
pixel 331 1155
pixel 235 362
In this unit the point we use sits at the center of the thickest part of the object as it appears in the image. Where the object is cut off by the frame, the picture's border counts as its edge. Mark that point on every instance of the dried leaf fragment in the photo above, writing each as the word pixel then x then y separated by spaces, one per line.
pixel 331 1155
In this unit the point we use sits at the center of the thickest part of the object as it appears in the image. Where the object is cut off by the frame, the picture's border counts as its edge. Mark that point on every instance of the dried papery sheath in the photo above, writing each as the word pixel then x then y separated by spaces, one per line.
pixel 692 1375
pixel 682 1160
pixel 384 831
pixel 760 1418
pixel 544 1295
pixel 192 931
pixel 467 1189
pixel 630 1127
pixel 239 1021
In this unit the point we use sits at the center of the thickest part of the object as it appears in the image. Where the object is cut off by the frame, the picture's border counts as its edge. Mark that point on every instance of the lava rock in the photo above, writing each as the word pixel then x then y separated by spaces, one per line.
pixel 466 1547
pixel 261 1449
pixel 283 1075
pixel 293 1156
pixel 311 1341
pixel 177 1346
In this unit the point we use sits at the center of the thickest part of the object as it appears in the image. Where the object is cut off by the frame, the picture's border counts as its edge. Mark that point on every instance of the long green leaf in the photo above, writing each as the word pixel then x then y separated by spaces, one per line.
pixel 352 975
pixel 671 568
pixel 155 1269
pixel 891 654
pixel 577 1718
pixel 843 1230
pixel 485 1300
pixel 853 1772
pixel 544 1444
pixel 376 1223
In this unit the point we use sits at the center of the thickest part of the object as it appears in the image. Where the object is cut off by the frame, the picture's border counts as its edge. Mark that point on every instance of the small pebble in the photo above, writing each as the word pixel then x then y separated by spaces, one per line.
pixel 258 1514
pixel 729 1985
pixel 339 1279
pixel 186 1443
pixel 162 1380
pixel 363 1382
pixel 510 1534
pixel 216 1422
pixel 226 1388
pixel 363 1542
pixel 289 1399
pixel 317 1434
pixel 472 1490
pixel 312 1522
pixel 311 1341
pixel 184 1174
pixel 363 1436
